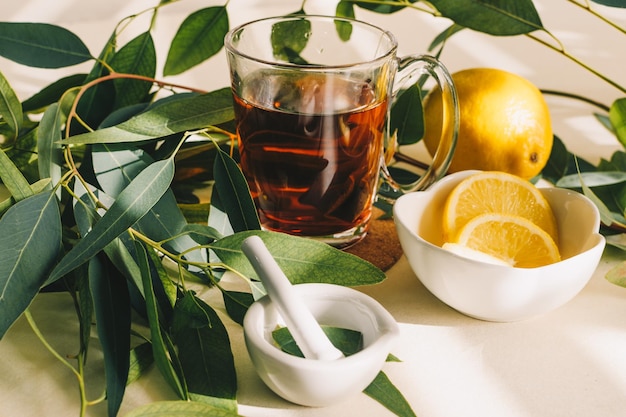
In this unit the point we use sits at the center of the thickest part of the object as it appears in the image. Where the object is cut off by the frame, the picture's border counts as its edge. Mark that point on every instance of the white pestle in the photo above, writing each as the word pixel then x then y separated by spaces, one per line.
pixel 301 323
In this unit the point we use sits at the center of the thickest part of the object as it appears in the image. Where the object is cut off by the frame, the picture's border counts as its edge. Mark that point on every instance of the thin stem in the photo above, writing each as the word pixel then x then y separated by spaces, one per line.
pixel 571 57
pixel 597 104
pixel 73 114
pixel 588 8
pixel 77 373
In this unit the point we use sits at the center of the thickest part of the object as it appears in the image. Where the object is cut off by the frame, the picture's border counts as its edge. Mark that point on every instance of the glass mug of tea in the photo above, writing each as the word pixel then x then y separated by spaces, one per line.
pixel 312 99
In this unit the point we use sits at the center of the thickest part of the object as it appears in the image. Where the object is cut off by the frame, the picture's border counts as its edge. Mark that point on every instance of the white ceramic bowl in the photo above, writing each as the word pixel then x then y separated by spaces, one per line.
pixel 495 292
pixel 321 383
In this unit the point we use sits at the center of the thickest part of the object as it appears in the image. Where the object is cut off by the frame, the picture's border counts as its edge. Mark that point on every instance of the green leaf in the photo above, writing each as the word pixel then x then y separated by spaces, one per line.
pixel 301 259
pixel 50 153
pixel 344 29
pixel 611 3
pixel 617 274
pixel 136 57
pixel 175 116
pixel 407 116
pixel 52 93
pixel 383 391
pixel 10 107
pixel 13 179
pixel 132 204
pixel 347 341
pixel 381 8
pixel 180 409
pixel 289 38
pixel 85 307
pixel 592 179
pixel 41 45
pixel 494 17
pixel 606 216
pixel 619 241
pixel 617 116
pixel 200 36
pixel 115 166
pixel 558 162
pixel 237 304
pixel 141 358
pixel 112 309
pixel 160 348
pixel 444 36
pixel 97 102
pixel 203 348
pixel 234 193
pixel 30 238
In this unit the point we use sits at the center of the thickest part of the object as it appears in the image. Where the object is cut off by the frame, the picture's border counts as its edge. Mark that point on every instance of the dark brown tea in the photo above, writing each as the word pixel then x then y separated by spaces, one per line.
pixel 311 150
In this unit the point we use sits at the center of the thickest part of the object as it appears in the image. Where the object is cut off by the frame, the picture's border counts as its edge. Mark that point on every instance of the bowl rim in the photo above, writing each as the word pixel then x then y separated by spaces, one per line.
pixel 400 217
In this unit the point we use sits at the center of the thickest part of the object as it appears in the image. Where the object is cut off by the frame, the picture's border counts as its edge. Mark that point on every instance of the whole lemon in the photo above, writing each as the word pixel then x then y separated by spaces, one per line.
pixel 504 123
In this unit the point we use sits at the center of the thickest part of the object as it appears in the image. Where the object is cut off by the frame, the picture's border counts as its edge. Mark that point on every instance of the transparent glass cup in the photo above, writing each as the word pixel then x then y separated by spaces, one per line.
pixel 312 99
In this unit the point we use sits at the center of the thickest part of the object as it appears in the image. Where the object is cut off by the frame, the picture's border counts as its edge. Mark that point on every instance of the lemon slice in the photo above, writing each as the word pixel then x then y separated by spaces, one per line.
pixel 514 239
pixel 496 192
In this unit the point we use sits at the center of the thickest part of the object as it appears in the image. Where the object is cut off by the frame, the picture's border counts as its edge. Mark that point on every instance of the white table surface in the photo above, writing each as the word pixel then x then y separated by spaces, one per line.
pixel 570 362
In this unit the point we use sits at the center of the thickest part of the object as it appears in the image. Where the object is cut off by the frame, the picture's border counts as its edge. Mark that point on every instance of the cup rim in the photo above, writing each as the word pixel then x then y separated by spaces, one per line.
pixel 231 48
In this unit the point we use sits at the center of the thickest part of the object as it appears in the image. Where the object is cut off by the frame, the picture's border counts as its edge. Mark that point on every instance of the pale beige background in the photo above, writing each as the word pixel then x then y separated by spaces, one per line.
pixel 567 363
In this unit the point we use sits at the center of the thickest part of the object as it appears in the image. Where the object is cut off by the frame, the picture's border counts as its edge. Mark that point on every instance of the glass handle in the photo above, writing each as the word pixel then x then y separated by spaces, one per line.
pixel 408 69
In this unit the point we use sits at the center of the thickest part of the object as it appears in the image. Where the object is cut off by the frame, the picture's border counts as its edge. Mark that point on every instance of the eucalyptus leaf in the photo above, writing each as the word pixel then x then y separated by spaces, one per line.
pixel 10 107
pixel 41 45
pixel 136 57
pixel 115 166
pixel 301 259
pixel 606 216
pixel 218 218
pixel 30 238
pixel 344 29
pixel 611 3
pixel 382 7
pixel 619 241
pixel 84 307
pixel 178 115
pixel 52 93
pixel 407 116
pixel 141 358
pixel 180 409
pixel 13 179
pixel 112 310
pixel 234 193
pixel 97 102
pixel 444 36
pixel 160 347
pixel 617 274
pixel 592 179
pixel 383 391
pixel 495 17
pixel 289 38
pixel 50 153
pixel 617 116
pixel 348 341
pixel 203 348
pixel 237 304
pixel 200 36
pixel 132 204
